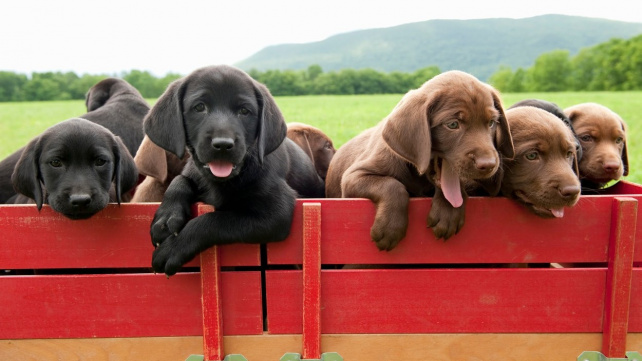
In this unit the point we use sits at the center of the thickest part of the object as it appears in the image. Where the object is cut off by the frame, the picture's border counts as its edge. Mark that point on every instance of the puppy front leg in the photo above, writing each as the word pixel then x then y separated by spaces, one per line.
pixel 174 211
pixel 444 219
pixel 391 201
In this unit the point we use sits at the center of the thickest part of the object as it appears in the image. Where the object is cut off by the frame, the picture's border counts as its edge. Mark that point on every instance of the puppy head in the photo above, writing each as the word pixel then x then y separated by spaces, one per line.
pixel 316 144
pixel 154 161
pixel 542 175
pixel 72 165
pixel 556 111
pixel 105 89
pixel 221 115
pixel 455 125
pixel 602 134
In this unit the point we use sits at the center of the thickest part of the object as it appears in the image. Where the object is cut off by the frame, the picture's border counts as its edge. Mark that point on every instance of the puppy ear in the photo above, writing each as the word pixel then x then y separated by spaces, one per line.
pixel 26 176
pixel 407 129
pixel 125 175
pixel 625 154
pixel 98 95
pixel 151 160
pixel 272 127
pixel 503 138
pixel 164 122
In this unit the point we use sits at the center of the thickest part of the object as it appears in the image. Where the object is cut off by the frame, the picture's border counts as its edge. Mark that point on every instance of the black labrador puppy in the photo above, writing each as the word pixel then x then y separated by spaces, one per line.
pixel 112 103
pixel 71 166
pixel 555 110
pixel 241 163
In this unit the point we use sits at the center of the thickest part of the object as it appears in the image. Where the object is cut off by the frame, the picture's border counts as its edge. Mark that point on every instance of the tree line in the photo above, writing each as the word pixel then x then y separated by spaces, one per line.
pixel 611 66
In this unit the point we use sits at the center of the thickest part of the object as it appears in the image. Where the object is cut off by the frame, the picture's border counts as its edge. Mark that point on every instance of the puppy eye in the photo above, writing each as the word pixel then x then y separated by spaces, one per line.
pixel 586 138
pixel 569 154
pixel 532 155
pixel 56 163
pixel 244 111
pixel 619 140
pixel 327 145
pixel 453 125
pixel 200 107
pixel 491 123
pixel 99 162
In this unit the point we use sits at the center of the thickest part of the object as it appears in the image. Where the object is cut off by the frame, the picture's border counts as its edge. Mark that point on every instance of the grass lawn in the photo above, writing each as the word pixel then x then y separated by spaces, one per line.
pixel 341 116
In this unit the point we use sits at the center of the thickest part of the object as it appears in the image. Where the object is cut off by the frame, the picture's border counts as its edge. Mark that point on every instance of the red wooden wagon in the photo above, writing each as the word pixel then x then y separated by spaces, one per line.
pixel 83 290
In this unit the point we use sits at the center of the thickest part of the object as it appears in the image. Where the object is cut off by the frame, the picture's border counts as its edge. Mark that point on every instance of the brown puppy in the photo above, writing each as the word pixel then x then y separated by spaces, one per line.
pixel 543 174
pixel 316 144
pixel 160 166
pixel 602 134
pixel 440 137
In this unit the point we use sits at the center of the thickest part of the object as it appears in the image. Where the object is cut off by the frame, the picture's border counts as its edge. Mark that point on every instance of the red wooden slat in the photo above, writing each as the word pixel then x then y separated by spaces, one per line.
pixel 132 305
pixel 635 308
pixel 619 275
pixel 443 301
pixel 497 230
pixel 211 303
pixel 311 281
pixel 116 237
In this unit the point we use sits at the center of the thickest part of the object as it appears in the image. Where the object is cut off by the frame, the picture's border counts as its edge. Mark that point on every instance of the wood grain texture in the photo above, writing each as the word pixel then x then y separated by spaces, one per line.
pixel 311 281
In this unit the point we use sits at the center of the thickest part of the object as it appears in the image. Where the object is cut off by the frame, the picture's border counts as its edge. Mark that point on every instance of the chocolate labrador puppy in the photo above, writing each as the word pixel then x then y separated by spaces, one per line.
pixel 72 166
pixel 543 174
pixel 315 143
pixel 441 138
pixel 602 134
pixel 240 162
pixel 112 103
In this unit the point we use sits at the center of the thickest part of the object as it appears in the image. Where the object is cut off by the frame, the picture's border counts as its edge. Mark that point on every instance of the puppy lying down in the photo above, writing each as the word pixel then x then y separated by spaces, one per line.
pixel 74 166
pixel 543 174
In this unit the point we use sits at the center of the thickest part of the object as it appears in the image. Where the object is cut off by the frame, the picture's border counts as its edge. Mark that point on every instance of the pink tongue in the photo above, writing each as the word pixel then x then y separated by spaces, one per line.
pixel 558 213
pixel 450 185
pixel 221 169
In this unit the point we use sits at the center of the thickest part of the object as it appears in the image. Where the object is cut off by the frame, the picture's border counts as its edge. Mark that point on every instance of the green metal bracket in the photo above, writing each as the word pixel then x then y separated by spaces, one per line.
pixel 230 357
pixel 598 356
pixel 328 356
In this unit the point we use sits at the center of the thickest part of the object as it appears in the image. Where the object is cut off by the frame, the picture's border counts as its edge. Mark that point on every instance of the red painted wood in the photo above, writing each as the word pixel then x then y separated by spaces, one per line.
pixel 619 276
pixel 130 305
pixel 443 301
pixel 211 303
pixel 116 237
pixel 635 308
pixel 497 230
pixel 311 281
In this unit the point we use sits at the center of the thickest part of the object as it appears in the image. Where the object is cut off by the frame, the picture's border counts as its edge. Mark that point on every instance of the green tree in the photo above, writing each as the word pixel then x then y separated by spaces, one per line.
pixel 11 86
pixel 551 72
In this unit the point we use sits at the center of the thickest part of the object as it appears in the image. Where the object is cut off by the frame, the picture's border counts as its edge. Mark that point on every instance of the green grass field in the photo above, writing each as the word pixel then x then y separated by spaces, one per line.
pixel 341 117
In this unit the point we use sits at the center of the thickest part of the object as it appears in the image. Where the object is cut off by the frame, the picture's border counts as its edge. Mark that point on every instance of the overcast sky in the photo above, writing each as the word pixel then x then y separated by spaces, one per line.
pixel 108 37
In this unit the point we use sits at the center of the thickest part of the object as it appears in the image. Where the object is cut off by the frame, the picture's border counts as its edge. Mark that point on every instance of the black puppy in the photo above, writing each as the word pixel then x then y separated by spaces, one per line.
pixel 72 165
pixel 112 103
pixel 241 163
pixel 555 110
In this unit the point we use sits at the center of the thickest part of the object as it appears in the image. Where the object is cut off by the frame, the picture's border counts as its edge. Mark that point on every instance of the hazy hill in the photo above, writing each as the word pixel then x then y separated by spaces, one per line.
pixel 476 46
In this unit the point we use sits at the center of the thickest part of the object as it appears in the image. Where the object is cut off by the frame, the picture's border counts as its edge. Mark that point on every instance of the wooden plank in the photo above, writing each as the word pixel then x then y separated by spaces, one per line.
pixel 618 277
pixel 116 237
pixel 635 308
pixel 311 281
pixel 414 347
pixel 128 305
pixel 512 233
pixel 211 305
pixel 443 300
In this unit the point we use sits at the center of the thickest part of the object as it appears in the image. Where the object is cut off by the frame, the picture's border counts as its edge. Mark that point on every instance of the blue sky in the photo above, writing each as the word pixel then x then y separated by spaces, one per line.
pixel 179 36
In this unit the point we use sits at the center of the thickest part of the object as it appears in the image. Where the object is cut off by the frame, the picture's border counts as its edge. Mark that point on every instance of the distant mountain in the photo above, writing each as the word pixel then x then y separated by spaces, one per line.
pixel 475 46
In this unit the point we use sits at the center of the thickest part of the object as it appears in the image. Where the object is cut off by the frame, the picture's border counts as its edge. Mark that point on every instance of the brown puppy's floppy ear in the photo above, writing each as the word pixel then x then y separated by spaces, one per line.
pixel 164 122
pixel 407 129
pixel 272 127
pixel 125 175
pixel 26 174
pixel 503 138
pixel 625 153
pixel 151 160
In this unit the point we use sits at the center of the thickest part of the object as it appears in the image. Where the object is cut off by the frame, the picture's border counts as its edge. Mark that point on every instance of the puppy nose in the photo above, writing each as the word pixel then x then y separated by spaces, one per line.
pixel 569 191
pixel 611 166
pixel 486 163
pixel 223 143
pixel 79 200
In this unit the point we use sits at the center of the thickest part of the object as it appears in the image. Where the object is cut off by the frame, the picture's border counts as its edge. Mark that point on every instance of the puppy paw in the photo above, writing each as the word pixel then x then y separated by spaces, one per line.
pixel 388 231
pixel 168 258
pixel 445 220
pixel 168 221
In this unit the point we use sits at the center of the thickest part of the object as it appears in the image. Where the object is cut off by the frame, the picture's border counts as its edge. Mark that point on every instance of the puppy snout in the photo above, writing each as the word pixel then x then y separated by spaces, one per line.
pixel 222 144
pixel 80 200
pixel 485 164
pixel 569 191
pixel 612 166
